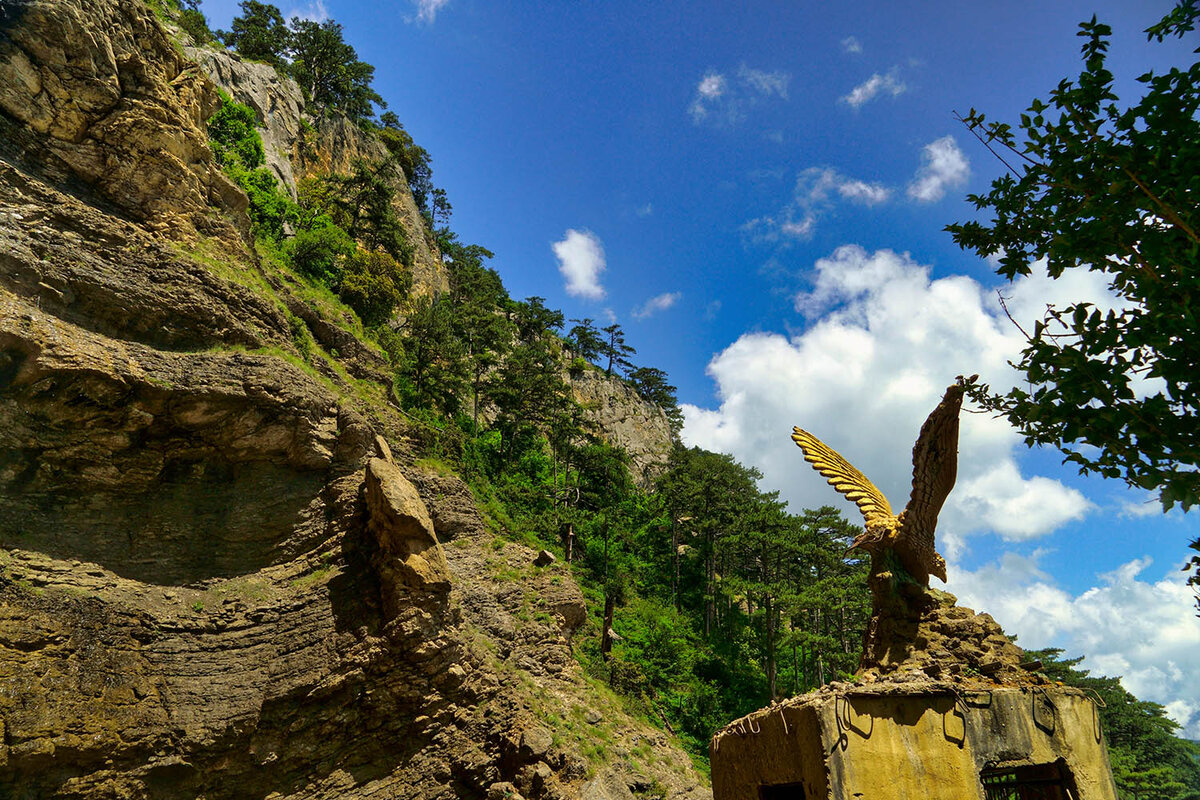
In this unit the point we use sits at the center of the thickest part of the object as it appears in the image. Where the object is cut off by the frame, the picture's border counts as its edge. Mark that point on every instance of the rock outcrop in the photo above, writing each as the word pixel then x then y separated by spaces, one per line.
pixel 297 146
pixel 220 573
pixel 625 420
pixel 96 93
pixel 409 554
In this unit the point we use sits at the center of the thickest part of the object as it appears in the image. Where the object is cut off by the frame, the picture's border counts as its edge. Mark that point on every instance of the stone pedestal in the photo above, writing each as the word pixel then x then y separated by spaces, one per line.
pixel 936 741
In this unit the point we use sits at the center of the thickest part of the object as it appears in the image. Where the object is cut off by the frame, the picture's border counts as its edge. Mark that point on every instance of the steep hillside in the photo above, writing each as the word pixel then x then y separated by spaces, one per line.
pixel 223 570
pixel 297 146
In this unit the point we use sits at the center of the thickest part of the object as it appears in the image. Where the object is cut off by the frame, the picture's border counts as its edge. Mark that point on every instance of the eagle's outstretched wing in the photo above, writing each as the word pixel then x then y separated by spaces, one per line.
pixel 935 467
pixel 935 463
pixel 844 477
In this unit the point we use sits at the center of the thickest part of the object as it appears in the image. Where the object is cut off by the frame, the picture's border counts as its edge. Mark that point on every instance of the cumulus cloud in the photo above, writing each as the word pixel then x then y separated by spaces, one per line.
pixel 722 100
pixel 851 44
pixel 817 191
pixel 875 86
pixel 655 304
pixel 1155 658
pixel 427 10
pixel 882 342
pixel 943 166
pixel 581 261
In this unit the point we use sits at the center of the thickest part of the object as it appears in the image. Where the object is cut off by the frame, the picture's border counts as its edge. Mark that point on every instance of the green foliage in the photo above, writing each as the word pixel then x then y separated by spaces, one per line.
pixel 1095 186
pixel 232 135
pixel 319 253
pixel 328 70
pixel 651 385
pixel 1148 760
pixel 258 33
pixel 585 339
pixel 412 158
pixel 373 284
pixel 193 22
pixel 361 203
pixel 269 206
pixel 238 147
pixel 433 371
pixel 301 337
pixel 316 54
pixel 615 350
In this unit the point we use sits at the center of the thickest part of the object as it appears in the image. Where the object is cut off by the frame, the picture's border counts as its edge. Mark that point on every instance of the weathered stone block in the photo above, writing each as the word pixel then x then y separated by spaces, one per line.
pixel 935 742
pixel 410 556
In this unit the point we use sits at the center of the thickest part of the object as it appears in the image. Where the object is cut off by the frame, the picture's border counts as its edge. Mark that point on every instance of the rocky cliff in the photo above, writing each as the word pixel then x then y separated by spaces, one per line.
pixel 222 574
pixel 625 420
pixel 298 146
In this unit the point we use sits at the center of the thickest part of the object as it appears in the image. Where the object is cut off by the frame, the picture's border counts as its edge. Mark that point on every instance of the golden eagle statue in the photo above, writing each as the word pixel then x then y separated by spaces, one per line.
pixel 909 537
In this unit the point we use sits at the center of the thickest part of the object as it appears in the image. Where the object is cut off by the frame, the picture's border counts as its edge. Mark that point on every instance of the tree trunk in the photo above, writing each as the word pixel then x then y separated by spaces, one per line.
pixel 770 612
pixel 710 575
pixel 675 563
pixel 606 636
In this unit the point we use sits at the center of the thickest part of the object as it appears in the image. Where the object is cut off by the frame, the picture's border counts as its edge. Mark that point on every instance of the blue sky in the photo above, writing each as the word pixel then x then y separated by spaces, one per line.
pixel 756 192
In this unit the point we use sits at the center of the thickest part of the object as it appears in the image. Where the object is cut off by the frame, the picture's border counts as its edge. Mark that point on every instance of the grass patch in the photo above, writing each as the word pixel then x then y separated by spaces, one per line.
pixel 319 575
pixel 435 465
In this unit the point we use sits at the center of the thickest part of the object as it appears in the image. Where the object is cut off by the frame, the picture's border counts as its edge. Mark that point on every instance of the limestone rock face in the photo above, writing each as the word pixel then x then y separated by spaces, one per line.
pixel 625 420
pixel 277 102
pixel 100 90
pixel 329 145
pixel 333 148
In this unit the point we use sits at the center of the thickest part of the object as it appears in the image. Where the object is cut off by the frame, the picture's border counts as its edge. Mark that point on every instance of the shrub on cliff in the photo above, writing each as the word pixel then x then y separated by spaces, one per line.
pixel 373 284
pixel 319 252
pixel 238 148
pixel 232 135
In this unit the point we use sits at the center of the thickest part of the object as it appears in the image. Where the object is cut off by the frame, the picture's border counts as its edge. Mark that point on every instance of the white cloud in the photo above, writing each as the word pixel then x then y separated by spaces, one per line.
pixel 851 44
pixel 869 194
pixel 711 310
pixel 644 211
pixel 427 10
pixel 313 12
pixel 723 101
pixel 581 260
pixel 764 83
pixel 655 304
pixel 1143 630
pixel 943 166
pixel 882 342
pixel 814 195
pixel 875 86
pixel 1019 508
pixel 711 87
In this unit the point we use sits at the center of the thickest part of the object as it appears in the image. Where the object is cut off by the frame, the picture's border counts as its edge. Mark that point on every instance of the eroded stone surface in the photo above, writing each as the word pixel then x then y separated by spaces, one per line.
pixel 108 98
pixel 626 421
pixel 409 556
